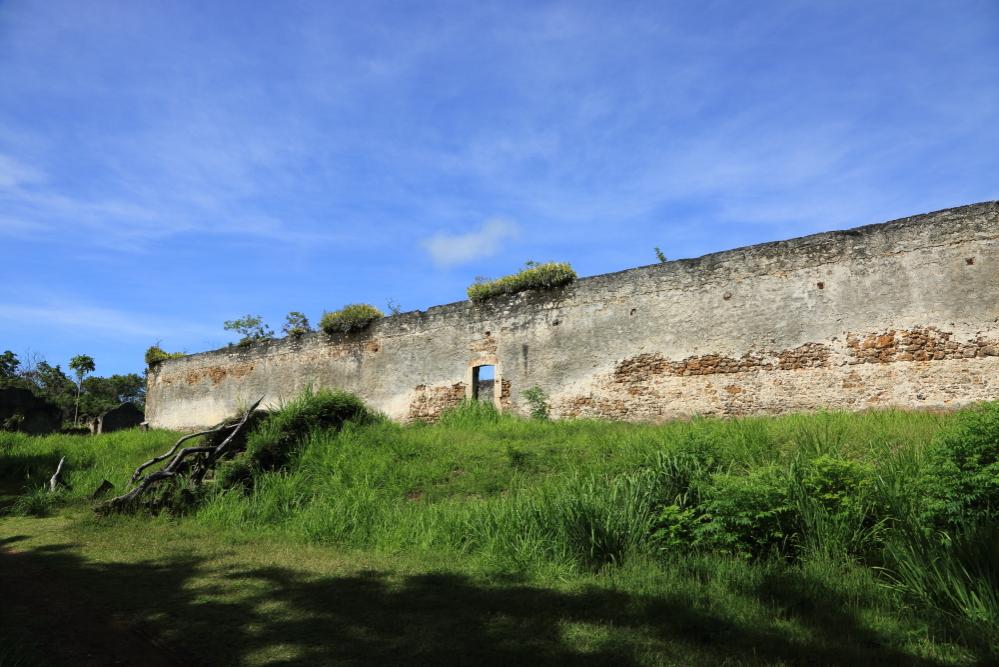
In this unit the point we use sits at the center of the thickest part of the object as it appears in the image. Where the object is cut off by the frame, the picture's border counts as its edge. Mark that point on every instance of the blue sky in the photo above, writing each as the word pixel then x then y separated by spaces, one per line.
pixel 168 166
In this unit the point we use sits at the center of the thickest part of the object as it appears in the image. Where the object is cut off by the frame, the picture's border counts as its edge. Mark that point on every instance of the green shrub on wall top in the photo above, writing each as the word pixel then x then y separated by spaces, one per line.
pixel 349 318
pixel 155 354
pixel 533 276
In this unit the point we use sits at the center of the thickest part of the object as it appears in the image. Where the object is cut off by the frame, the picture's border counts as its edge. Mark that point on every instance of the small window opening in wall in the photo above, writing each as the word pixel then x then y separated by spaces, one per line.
pixel 970 261
pixel 483 378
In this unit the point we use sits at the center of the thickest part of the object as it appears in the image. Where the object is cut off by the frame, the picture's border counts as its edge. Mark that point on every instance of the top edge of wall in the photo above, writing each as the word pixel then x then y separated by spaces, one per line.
pixel 807 250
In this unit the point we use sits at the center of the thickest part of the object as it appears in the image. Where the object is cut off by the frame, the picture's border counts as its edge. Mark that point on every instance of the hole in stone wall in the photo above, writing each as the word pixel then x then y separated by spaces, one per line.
pixel 483 378
pixel 969 261
pixel 633 311
pixel 820 285
pixel 727 296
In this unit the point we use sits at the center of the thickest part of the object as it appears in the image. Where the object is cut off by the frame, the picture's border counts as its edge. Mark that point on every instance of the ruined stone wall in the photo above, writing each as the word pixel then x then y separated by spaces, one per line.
pixel 903 314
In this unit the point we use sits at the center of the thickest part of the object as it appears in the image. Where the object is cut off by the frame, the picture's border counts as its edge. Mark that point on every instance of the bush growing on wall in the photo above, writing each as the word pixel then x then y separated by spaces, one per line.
pixel 155 354
pixel 533 276
pixel 349 318
pixel 296 324
pixel 251 328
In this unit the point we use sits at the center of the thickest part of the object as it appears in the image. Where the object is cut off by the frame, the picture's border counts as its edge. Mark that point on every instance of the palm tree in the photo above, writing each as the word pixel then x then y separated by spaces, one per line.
pixel 81 364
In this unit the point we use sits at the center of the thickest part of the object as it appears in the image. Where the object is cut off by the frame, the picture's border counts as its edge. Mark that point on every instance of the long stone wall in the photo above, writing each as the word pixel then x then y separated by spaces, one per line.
pixel 902 314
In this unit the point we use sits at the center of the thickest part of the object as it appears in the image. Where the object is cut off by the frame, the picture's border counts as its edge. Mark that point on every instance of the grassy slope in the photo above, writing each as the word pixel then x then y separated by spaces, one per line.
pixel 418 544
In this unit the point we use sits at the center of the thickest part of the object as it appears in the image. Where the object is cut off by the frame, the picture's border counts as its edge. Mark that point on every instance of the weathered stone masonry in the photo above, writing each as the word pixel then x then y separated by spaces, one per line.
pixel 904 313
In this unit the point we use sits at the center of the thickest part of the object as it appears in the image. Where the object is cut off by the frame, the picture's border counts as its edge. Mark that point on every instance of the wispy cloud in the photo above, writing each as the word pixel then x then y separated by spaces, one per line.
pixel 453 249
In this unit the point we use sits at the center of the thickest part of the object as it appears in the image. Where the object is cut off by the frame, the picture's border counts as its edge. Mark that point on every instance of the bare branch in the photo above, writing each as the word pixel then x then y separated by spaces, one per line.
pixel 225 443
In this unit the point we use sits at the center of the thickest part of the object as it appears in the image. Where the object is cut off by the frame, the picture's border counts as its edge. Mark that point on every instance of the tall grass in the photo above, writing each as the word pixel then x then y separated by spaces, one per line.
pixel 818 492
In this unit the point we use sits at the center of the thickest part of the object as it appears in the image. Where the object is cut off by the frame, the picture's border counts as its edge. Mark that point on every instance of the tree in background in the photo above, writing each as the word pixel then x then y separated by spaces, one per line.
pixel 91 397
pixel 9 365
pixel 81 365
pixel 100 394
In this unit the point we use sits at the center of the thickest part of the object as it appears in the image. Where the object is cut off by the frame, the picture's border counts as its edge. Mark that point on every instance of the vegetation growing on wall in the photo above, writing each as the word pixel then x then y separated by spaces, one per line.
pixel 296 324
pixel 251 328
pixel 534 276
pixel 156 354
pixel 351 317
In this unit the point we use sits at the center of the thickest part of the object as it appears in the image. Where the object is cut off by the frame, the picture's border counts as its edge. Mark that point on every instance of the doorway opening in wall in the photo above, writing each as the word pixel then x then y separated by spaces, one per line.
pixel 483 378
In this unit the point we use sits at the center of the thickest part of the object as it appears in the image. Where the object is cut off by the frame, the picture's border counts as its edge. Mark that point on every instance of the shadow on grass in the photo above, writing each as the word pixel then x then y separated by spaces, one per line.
pixel 186 611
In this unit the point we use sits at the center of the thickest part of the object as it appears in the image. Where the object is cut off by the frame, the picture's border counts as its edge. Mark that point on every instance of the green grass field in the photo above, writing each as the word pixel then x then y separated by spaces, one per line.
pixel 821 539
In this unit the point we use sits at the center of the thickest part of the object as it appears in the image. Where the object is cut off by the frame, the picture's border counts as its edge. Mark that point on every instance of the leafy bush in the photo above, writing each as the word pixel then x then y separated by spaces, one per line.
pixel 349 318
pixel 533 276
pixel 275 442
pixel 837 515
pixel 961 479
pixel 296 324
pixel 750 516
pixel 537 399
pixel 839 486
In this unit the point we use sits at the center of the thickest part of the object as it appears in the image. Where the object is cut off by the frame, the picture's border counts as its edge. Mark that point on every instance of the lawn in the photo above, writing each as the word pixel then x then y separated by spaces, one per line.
pixel 487 539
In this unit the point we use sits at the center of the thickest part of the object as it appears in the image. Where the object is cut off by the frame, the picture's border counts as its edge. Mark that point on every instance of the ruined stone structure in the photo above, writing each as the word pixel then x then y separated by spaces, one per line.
pixel 900 314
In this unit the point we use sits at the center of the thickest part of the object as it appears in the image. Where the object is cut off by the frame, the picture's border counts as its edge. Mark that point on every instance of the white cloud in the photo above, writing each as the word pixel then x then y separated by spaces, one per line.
pixel 452 249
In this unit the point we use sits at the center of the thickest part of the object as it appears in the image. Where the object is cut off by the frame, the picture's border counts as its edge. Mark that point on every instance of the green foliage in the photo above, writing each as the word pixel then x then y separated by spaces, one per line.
pixel 393 307
pixel 534 276
pixel 537 399
pixel 838 486
pixel 82 364
pixel 661 256
pixel 351 317
pixel 961 477
pixel 251 328
pixel 52 384
pixel 749 515
pixel 296 324
pixel 278 438
pixel 156 354
pixel 9 364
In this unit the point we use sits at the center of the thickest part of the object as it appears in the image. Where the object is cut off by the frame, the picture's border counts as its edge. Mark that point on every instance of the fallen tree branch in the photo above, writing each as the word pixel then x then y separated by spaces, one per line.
pixel 54 481
pixel 174 469
pixel 166 455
